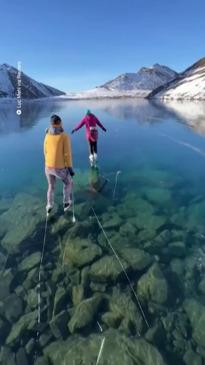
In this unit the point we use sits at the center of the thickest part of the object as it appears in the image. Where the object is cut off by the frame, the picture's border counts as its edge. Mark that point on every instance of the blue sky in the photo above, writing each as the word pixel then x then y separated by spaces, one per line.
pixel 75 45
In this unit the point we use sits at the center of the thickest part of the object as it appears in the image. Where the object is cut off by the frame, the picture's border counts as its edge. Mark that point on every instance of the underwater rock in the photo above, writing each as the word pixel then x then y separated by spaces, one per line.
pixel 153 285
pixel 195 217
pixel 84 313
pixel 31 279
pixel 81 252
pixel 77 294
pixel 21 357
pixel 196 314
pixel 117 350
pixel 46 338
pixel 159 196
pixel 13 307
pixel 133 206
pixel 123 313
pixel 136 259
pixel 42 361
pixel 79 230
pixel 61 225
pixel 32 298
pixel 177 267
pixel 128 229
pixel 30 262
pixel 6 279
pixel 30 346
pixel 202 286
pixel 191 358
pixel 155 334
pixel 98 287
pixel 162 239
pixel 4 329
pixel 26 323
pixel 177 249
pixel 7 357
pixel 60 300
pixel 25 213
pixel 58 325
pixel 111 220
pixel 106 269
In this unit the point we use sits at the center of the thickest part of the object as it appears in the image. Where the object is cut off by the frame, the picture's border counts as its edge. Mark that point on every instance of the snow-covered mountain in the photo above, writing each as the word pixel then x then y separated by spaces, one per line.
pixel 138 84
pixel 189 85
pixel 147 78
pixel 30 89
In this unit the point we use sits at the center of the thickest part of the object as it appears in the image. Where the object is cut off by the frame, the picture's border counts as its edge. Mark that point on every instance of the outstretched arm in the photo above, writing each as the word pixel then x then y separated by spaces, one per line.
pixel 100 125
pixel 80 125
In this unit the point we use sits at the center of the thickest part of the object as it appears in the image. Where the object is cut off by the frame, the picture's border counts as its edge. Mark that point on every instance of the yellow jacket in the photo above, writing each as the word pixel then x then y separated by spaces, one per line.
pixel 57 151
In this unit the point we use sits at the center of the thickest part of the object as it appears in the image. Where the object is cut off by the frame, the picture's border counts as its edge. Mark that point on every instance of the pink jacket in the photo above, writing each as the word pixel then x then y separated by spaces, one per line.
pixel 90 121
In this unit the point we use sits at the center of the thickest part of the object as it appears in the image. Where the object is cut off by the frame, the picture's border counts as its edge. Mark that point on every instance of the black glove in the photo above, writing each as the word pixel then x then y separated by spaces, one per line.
pixel 105 130
pixel 71 172
pixel 73 131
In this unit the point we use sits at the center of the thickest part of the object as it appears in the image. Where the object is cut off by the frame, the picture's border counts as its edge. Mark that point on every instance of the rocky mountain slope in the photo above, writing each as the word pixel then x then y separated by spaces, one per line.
pixel 138 84
pixel 190 84
pixel 30 89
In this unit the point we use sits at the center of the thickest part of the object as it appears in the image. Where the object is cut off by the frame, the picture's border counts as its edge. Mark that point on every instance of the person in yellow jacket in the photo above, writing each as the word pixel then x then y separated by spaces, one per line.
pixel 58 162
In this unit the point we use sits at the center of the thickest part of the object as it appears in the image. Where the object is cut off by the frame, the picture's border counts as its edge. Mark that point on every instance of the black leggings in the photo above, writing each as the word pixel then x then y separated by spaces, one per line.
pixel 92 147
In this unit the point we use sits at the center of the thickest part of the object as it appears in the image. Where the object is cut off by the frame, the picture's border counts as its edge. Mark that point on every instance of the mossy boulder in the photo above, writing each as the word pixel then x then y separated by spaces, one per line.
pixel 84 313
pixel 13 307
pixel 81 252
pixel 6 279
pixel 24 324
pixel 191 358
pixel 107 269
pixel 26 213
pixel 111 220
pixel 30 262
pixel 58 325
pixel 196 314
pixel 123 313
pixel 60 300
pixel 136 259
pixel 152 286
pixel 117 349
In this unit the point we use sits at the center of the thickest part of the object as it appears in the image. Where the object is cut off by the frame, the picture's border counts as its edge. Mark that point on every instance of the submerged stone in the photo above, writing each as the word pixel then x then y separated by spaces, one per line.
pixel 25 323
pixel 123 313
pixel 196 314
pixel 159 196
pixel 58 325
pixel 116 350
pixel 136 259
pixel 84 313
pixel 77 294
pixel 106 269
pixel 153 285
pixel 13 307
pixel 177 249
pixel 25 213
pixel 191 358
pixel 202 286
pixel 6 279
pixel 60 300
pixel 80 252
pixel 30 262
pixel 111 220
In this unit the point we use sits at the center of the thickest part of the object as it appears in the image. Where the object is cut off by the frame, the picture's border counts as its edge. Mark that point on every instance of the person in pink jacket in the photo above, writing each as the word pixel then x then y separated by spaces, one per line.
pixel 91 122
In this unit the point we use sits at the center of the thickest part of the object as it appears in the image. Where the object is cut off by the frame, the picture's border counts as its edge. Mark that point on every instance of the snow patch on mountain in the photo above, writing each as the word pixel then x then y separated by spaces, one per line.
pixel 147 78
pixel 189 85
